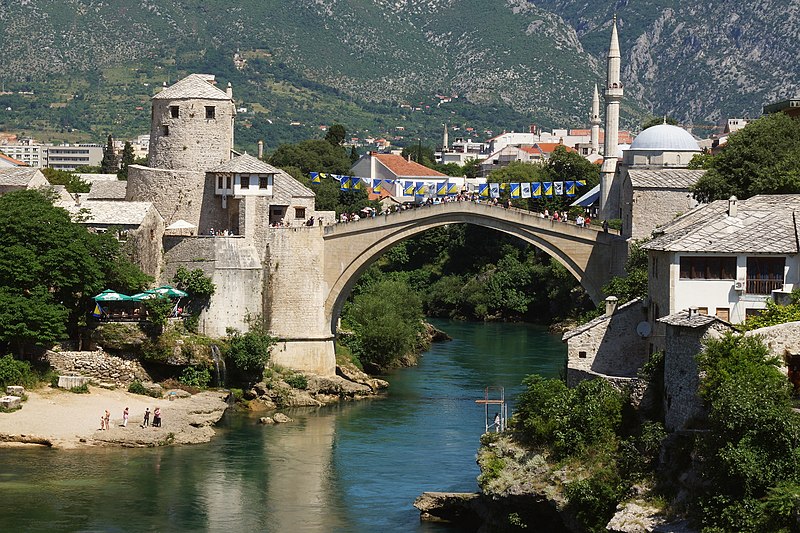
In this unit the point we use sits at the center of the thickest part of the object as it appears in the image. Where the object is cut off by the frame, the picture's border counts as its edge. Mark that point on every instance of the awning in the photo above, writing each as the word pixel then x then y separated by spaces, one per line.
pixel 181 224
pixel 111 296
pixel 588 199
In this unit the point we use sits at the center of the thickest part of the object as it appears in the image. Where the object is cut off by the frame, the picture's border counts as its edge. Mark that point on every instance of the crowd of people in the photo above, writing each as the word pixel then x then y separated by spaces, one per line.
pixel 105 419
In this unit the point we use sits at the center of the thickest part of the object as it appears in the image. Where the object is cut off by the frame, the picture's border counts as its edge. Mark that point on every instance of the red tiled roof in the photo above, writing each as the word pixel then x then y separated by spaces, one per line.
pixel 550 147
pixel 580 132
pixel 400 167
pixel 13 161
pixel 530 150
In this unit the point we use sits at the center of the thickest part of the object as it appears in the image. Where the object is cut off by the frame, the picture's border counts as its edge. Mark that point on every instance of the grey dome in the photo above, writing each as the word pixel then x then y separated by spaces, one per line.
pixel 665 137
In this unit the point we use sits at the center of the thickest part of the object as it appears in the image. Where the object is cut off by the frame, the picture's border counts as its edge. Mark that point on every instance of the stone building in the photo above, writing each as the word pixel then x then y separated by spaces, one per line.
pixel 21 178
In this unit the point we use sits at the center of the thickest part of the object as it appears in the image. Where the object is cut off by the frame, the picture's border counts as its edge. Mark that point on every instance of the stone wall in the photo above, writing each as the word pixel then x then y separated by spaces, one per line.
pixel 143 246
pixel 651 208
pixel 782 339
pixel 100 366
pixel 608 345
pixel 194 142
pixel 177 194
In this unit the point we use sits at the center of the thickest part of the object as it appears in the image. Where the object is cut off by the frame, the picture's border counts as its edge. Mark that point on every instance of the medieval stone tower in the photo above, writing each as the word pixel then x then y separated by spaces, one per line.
pixel 191 132
pixel 191 126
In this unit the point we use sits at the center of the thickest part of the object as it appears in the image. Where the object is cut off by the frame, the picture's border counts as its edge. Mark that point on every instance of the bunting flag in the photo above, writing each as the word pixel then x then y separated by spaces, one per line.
pixel 503 186
pixel 344 183
pixel 514 190
pixel 377 186
pixel 537 190
pixel 315 177
pixel 441 189
pixel 494 190
pixel 453 188
pixel 98 311
pixel 548 188
pixel 408 188
pixel 559 186
pixel 581 182
pixel 526 190
pixel 421 188
pixel 356 183
pixel 483 190
pixel 572 188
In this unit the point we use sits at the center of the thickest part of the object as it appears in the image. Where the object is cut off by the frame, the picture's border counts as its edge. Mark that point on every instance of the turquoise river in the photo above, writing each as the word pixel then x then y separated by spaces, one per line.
pixel 354 467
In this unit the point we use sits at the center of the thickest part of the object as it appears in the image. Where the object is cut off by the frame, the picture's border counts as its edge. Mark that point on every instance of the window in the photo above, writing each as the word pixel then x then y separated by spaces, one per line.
pixel 582 355
pixel 219 182
pixel 211 112
pixel 228 181
pixel 724 313
pixel 165 130
pixel 174 111
pixel 263 182
pixel 702 311
pixel 708 267
pixel 299 212
pixel 245 182
pixel 764 274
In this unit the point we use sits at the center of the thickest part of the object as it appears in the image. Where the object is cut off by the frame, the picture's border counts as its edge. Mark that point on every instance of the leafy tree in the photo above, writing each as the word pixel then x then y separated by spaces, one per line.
pixel 424 155
pixel 750 452
pixel 336 135
pixel 158 310
pixel 472 168
pixel 353 155
pixel 108 165
pixel 656 121
pixel 761 158
pixel 126 160
pixel 314 155
pixel 387 320
pixel 776 313
pixel 248 353
pixel 32 318
pixel 72 182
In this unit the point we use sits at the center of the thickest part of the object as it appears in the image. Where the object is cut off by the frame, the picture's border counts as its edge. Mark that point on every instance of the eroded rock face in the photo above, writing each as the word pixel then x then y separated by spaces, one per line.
pixel 635 517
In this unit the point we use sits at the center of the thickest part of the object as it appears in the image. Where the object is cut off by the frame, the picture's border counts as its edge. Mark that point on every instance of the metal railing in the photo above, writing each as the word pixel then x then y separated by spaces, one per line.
pixel 763 286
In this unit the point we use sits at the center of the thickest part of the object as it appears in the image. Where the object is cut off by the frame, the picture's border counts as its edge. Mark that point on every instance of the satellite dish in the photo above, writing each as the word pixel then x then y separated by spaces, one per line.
pixel 643 329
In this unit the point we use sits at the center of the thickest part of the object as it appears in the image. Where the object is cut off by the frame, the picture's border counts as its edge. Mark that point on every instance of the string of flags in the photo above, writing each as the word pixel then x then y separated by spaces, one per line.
pixel 445 188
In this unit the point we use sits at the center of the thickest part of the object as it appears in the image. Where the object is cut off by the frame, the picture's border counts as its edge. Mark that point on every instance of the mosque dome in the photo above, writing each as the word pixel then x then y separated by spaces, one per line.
pixel 665 137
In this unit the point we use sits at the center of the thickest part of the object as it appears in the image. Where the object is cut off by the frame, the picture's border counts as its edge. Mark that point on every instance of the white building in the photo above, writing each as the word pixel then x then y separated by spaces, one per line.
pixel 727 259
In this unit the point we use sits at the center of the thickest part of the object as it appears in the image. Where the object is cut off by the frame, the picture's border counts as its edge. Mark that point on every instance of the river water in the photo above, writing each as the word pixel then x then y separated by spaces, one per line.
pixel 353 467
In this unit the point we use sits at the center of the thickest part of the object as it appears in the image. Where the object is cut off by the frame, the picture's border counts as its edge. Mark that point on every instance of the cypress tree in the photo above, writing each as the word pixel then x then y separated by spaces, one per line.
pixel 125 161
pixel 109 163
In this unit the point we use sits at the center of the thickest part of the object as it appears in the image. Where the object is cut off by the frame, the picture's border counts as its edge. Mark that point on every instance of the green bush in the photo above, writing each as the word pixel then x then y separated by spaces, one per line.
pixel 136 387
pixel 297 381
pixel 248 353
pixel 80 389
pixel 195 377
pixel 14 372
pixel 594 499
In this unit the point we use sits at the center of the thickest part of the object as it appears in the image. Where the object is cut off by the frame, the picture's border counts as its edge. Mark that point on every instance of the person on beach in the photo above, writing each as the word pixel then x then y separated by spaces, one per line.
pixel 125 414
pixel 107 419
pixel 146 422
pixel 157 417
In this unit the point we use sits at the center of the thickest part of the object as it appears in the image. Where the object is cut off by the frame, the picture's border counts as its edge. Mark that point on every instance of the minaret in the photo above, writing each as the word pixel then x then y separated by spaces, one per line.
pixel 594 120
pixel 609 195
pixel 445 140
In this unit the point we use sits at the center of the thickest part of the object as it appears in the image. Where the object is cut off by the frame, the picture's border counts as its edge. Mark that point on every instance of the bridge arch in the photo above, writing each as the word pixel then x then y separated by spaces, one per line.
pixel 591 256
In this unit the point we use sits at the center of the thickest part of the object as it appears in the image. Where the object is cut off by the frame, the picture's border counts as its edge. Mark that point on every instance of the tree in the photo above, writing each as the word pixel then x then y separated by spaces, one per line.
pixel 126 160
pixel 109 163
pixel 336 135
pixel 71 181
pixel 424 155
pixel 761 158
pixel 655 121
pixel 50 267
pixel 197 284
pixel 313 155
pixel 353 154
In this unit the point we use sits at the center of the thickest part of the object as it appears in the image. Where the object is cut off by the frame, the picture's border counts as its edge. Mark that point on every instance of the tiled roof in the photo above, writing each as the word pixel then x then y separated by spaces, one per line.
pixel 109 212
pixel 666 178
pixel 193 86
pixel 18 176
pixel 550 147
pixel 763 224
pixel 682 318
pixel 108 190
pixel 245 164
pixel 599 320
pixel 402 168
pixel 577 133
pixel 12 161
pixel 285 187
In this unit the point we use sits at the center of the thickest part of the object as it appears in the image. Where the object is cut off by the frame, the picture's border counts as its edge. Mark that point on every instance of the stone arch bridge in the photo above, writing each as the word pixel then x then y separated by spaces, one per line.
pixel 347 250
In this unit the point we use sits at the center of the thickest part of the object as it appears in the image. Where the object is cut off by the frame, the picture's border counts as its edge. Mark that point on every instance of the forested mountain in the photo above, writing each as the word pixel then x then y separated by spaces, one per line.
pixel 388 66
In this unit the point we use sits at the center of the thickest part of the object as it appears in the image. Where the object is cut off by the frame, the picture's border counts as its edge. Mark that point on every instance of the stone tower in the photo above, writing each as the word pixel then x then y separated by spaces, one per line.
pixel 609 195
pixel 445 140
pixel 594 120
pixel 191 126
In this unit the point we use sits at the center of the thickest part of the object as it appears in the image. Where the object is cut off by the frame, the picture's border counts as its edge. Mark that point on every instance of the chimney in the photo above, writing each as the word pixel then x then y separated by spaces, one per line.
pixel 229 91
pixel 732 209
pixel 260 149
pixel 693 312
pixel 611 305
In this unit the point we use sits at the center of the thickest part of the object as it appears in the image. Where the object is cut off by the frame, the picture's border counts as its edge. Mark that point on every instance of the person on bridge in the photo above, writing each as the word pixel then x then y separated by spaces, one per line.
pixel 497 423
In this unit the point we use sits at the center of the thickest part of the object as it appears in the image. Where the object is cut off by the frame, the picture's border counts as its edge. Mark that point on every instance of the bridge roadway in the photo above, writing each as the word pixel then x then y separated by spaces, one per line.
pixel 591 255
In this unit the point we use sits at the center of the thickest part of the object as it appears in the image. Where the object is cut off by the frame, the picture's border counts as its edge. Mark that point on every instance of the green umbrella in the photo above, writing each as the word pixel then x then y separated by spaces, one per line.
pixel 111 296
pixel 146 295
pixel 170 292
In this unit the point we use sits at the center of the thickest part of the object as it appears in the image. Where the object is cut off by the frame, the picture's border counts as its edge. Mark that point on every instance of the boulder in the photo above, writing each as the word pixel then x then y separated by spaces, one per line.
pixel 448 507
pixel 153 389
pixel 281 418
pixel 15 390
pixel 68 382
pixel 634 517
pixel 11 402
pixel 353 374
pixel 177 393
pixel 266 420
